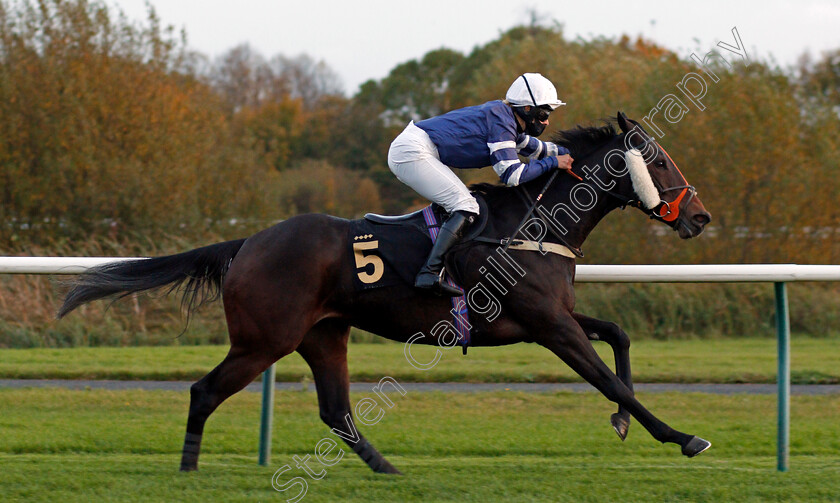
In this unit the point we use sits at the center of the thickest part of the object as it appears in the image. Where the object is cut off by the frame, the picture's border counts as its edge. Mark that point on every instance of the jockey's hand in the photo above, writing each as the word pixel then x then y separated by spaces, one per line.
pixel 564 162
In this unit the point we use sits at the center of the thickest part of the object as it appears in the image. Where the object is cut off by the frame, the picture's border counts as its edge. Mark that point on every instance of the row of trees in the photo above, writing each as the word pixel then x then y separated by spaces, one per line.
pixel 111 129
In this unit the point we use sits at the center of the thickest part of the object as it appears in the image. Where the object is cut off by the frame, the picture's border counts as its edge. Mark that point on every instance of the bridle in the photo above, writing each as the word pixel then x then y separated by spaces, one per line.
pixel 666 211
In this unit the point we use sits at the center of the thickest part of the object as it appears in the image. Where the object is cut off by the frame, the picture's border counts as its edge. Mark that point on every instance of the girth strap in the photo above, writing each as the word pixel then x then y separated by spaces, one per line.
pixel 526 245
pixel 542 247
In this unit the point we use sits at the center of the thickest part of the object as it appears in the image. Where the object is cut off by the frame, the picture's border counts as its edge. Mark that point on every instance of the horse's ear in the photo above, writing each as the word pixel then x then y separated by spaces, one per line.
pixel 623 122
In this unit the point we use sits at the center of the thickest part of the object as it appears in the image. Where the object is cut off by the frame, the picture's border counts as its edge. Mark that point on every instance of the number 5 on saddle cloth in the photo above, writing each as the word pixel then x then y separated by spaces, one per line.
pixel 389 251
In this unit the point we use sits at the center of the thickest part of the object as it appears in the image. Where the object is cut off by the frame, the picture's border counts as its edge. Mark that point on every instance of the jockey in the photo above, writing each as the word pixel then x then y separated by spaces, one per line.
pixel 492 134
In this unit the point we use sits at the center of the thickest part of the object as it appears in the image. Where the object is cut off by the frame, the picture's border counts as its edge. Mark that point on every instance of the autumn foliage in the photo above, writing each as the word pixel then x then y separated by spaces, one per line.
pixel 113 131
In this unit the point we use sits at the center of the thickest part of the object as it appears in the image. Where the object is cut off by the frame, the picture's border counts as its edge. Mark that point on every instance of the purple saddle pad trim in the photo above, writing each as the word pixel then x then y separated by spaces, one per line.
pixel 459 304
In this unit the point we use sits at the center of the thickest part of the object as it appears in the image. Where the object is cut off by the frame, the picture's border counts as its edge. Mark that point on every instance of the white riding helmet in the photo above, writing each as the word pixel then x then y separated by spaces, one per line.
pixel 532 89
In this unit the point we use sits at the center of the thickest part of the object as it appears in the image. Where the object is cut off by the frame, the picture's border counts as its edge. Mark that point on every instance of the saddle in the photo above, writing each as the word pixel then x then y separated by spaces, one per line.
pixel 416 218
pixel 389 250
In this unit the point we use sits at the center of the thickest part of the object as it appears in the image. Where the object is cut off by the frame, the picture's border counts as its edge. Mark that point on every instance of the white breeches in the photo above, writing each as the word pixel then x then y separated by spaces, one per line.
pixel 414 159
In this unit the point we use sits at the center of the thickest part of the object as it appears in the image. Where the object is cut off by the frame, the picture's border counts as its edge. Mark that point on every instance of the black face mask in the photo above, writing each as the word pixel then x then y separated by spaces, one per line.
pixel 534 118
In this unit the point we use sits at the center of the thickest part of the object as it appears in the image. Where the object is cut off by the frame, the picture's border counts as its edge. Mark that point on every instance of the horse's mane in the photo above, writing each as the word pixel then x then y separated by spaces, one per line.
pixel 582 140
pixel 579 140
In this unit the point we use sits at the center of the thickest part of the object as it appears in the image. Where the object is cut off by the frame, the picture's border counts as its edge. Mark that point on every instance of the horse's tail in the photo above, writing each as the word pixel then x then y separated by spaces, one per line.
pixel 198 274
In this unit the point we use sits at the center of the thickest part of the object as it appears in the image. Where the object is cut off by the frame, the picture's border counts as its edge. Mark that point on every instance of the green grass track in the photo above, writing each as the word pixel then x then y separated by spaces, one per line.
pixel 62 445
pixel 729 360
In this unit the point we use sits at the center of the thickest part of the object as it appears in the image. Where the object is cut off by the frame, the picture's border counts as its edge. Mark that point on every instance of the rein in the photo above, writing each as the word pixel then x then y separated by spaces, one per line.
pixel 517 244
pixel 530 210
pixel 526 198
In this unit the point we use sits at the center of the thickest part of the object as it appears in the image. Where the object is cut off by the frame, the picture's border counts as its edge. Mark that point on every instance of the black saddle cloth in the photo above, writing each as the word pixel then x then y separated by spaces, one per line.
pixel 388 251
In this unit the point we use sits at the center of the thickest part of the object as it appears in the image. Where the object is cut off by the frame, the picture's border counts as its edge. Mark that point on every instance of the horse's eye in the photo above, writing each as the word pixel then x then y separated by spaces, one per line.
pixel 660 164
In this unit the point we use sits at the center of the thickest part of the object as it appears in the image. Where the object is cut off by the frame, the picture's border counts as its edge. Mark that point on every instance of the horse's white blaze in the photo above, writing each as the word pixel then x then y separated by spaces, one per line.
pixel 642 182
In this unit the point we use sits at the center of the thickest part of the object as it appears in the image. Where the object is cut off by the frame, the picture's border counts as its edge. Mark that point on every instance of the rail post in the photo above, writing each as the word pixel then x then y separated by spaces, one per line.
pixel 267 413
pixel 783 336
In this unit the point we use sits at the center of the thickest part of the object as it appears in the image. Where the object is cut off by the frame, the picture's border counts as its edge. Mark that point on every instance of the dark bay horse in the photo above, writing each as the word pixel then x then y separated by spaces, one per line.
pixel 291 287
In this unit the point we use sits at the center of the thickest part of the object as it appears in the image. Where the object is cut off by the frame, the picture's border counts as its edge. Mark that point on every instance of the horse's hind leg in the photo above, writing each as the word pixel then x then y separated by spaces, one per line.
pixel 613 335
pixel 236 371
pixel 273 293
pixel 255 345
pixel 325 350
pixel 253 349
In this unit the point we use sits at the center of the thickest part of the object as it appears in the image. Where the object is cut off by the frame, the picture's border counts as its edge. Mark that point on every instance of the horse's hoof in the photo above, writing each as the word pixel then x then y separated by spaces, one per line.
pixel 620 425
pixel 189 468
pixel 388 468
pixel 695 446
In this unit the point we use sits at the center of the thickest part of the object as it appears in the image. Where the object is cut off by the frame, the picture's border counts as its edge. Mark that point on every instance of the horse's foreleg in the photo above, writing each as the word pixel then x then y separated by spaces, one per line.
pixel 618 340
pixel 568 340
pixel 325 350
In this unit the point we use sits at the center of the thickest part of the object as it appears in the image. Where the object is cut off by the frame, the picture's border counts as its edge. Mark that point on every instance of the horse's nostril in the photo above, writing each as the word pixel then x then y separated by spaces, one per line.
pixel 702 219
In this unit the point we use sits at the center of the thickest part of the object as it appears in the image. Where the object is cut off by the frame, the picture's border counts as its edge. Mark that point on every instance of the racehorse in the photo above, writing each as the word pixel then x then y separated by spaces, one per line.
pixel 291 287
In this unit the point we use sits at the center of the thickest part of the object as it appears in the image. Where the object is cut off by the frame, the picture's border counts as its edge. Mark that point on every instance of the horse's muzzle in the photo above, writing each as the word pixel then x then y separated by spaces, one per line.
pixel 693 226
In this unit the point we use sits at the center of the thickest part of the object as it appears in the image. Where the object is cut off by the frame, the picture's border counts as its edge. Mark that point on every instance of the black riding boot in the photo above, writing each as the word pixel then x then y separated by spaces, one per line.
pixel 430 276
